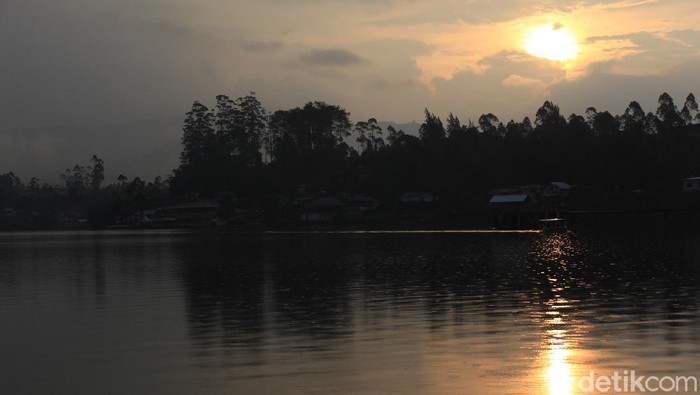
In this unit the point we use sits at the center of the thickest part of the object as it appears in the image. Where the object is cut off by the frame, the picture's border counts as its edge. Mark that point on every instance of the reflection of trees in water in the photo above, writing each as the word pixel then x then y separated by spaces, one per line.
pixel 308 290
pixel 223 279
pixel 242 288
pixel 313 279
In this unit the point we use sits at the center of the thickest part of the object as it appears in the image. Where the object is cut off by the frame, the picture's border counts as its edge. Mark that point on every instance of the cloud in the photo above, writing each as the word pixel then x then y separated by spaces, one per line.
pixel 517 81
pixel 331 57
pixel 115 77
pixel 688 37
pixel 261 45
pixel 646 53
pixel 612 92
pixel 510 85
pixel 490 11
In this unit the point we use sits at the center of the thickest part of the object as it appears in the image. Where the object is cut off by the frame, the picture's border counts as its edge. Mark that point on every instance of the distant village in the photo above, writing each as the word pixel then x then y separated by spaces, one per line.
pixel 519 207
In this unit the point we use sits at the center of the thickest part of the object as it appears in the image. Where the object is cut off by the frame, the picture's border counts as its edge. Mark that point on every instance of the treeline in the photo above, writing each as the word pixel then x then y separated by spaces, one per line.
pixel 238 147
pixel 240 153
pixel 81 201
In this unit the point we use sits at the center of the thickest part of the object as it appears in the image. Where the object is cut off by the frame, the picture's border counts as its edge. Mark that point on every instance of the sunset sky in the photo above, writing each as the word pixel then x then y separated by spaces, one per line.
pixel 115 77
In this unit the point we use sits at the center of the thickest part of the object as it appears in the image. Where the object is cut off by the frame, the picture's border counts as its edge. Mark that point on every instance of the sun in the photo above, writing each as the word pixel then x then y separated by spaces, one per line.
pixel 552 42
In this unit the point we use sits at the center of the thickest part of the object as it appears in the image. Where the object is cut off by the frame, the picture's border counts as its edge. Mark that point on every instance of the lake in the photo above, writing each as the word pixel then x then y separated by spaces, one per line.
pixel 174 312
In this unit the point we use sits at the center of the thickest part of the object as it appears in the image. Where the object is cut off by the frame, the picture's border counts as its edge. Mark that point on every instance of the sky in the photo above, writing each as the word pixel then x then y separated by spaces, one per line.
pixel 115 77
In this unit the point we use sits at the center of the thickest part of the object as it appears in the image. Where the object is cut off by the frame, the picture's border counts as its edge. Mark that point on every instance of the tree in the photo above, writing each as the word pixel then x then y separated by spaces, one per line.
pixel 591 112
pixel 369 135
pixel 605 124
pixel 252 119
pixel 690 113
pixel 549 119
pixel 651 124
pixel 578 127
pixel 197 134
pixel 225 124
pixel 97 172
pixel 394 136
pixel 75 180
pixel 454 127
pixel 431 130
pixel 316 126
pixel 527 126
pixel 632 121
pixel 668 113
pixel 9 187
pixel 239 126
pixel 34 184
pixel 488 123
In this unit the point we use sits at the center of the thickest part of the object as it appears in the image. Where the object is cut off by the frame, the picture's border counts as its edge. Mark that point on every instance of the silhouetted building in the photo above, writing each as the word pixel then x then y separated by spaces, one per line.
pixel 195 214
pixel 418 197
pixel 324 209
pixel 513 209
pixel 344 207
pixel 691 184
pixel 524 207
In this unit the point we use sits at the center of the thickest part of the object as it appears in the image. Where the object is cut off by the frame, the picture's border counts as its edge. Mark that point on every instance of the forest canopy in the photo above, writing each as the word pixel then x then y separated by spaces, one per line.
pixel 237 146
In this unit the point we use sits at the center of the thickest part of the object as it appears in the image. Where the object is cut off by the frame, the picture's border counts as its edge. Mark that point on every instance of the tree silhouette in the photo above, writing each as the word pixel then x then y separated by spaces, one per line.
pixel 668 113
pixel 431 130
pixel 690 113
pixel 97 173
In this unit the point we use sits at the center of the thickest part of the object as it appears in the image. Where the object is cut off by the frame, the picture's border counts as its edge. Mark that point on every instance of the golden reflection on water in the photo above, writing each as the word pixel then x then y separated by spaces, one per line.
pixel 558 372
pixel 559 356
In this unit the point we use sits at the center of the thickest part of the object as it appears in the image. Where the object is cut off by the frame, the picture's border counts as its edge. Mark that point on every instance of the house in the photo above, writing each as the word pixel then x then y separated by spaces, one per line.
pixel 418 197
pixel 523 207
pixel 513 209
pixel 344 207
pixel 557 188
pixel 691 184
pixel 510 198
pixel 194 214
pixel 323 209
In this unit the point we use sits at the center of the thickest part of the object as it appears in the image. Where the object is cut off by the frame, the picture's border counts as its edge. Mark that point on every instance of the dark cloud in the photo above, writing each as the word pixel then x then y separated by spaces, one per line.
pixel 331 57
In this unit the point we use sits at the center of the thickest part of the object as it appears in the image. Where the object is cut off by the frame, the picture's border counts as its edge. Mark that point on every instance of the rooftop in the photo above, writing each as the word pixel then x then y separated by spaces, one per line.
pixel 516 198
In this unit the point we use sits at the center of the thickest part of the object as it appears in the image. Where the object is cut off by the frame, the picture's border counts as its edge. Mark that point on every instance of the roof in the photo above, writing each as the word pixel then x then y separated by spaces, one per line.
pixel 199 204
pixel 691 179
pixel 561 185
pixel 418 197
pixel 325 202
pixel 519 198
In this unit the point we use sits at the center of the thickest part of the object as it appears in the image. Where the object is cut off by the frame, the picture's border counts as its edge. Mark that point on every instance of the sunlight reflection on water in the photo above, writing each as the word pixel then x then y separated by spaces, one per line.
pixel 357 313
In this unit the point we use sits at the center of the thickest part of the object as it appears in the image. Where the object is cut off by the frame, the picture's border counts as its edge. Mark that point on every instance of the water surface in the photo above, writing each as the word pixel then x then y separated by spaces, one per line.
pixel 346 313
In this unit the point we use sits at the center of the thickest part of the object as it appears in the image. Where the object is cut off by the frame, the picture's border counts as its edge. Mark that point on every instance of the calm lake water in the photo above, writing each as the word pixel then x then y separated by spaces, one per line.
pixel 457 313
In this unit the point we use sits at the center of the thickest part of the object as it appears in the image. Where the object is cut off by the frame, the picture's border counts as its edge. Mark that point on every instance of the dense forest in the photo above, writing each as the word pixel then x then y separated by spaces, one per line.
pixel 239 153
